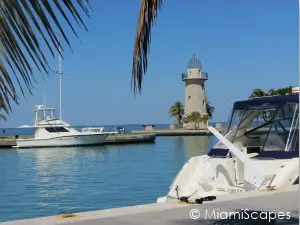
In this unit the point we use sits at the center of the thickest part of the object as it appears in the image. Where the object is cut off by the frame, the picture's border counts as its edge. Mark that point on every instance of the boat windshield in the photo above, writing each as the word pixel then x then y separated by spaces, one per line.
pixel 271 127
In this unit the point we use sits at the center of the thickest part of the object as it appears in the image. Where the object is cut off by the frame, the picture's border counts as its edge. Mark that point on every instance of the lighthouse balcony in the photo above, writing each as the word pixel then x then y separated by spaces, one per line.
pixel 201 75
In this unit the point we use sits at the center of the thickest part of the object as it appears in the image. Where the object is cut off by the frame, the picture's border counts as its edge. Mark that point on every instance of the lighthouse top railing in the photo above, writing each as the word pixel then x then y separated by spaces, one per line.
pixel 194 63
pixel 203 75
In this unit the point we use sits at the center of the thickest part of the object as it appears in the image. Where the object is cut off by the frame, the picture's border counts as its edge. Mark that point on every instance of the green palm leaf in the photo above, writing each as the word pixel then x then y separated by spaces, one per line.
pixel 210 109
pixel 2 117
pixel 257 93
pixel 21 24
pixel 147 15
pixel 177 111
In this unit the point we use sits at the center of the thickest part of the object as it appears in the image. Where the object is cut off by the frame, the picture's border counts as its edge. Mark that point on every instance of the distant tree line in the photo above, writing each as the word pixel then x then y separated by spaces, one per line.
pixel 271 92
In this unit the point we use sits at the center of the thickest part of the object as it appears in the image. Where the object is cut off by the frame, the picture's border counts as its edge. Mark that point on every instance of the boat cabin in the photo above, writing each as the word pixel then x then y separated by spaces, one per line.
pixel 47 124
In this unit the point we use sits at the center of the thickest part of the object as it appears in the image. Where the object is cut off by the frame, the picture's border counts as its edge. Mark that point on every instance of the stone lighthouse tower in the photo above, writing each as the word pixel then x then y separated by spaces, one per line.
pixel 195 98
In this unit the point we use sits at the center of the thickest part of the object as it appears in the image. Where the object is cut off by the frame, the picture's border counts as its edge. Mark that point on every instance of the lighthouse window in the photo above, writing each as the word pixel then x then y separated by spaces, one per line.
pixel 189 97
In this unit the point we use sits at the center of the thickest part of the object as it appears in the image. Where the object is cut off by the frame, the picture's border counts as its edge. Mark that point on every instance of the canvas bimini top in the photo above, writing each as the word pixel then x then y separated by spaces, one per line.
pixel 271 124
pixel 293 98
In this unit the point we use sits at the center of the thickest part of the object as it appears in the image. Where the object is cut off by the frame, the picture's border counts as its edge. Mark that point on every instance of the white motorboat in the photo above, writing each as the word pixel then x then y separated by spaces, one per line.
pixel 53 132
pixel 259 150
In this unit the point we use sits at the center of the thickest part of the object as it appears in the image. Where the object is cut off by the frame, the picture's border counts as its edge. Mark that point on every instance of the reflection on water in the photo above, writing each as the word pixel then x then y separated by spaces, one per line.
pixel 42 182
pixel 192 145
pixel 196 145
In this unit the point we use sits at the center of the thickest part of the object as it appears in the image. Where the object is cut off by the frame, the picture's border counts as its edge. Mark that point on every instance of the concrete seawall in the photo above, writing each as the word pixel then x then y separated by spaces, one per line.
pixel 187 132
pixel 130 139
pixel 8 142
pixel 173 132
pixel 284 202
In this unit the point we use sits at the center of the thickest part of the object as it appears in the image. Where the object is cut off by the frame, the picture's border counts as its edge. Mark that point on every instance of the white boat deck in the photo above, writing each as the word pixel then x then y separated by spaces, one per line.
pixel 285 202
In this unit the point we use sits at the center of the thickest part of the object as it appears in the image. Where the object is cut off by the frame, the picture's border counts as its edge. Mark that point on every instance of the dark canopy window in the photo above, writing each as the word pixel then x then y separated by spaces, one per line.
pixel 269 123
pixel 56 129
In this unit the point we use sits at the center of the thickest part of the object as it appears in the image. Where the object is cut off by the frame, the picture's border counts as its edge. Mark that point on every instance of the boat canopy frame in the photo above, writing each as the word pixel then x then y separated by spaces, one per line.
pixel 262 104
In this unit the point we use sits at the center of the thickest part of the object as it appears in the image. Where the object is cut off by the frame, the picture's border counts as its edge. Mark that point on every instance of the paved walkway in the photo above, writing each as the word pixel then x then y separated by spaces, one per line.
pixel 285 203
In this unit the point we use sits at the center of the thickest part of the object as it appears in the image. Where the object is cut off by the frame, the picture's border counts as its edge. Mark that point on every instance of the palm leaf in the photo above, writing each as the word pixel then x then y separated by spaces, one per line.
pixel 147 15
pixel 2 117
pixel 258 93
pixel 21 24
pixel 209 109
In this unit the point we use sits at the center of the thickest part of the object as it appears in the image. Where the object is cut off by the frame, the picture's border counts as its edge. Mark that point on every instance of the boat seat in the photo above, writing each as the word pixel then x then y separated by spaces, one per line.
pixel 218 152
pixel 277 155
pixel 253 149
pixel 252 154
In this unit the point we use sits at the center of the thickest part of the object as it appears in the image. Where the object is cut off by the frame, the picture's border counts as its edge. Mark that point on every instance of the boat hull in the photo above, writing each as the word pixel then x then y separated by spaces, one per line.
pixel 63 141
pixel 204 176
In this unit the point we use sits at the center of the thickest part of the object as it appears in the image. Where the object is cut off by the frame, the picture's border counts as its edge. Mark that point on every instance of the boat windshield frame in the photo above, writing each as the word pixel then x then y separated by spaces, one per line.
pixel 274 107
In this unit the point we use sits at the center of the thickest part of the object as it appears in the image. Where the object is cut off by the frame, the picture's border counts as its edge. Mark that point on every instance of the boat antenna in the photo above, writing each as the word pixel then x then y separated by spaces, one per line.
pixel 59 74
pixel 44 103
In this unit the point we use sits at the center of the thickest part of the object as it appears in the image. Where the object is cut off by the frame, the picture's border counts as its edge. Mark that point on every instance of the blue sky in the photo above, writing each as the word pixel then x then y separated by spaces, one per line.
pixel 242 45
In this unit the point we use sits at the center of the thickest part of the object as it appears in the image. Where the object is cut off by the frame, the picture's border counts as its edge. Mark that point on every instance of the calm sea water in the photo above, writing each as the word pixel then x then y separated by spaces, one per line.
pixel 43 182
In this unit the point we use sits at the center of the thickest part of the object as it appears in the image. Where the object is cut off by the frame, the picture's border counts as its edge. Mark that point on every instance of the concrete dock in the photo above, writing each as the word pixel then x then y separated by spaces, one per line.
pixel 173 132
pixel 260 207
pixel 186 132
pixel 130 138
pixel 9 141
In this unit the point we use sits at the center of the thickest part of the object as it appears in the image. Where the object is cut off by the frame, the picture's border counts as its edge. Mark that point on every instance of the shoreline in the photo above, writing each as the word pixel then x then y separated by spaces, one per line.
pixel 173 132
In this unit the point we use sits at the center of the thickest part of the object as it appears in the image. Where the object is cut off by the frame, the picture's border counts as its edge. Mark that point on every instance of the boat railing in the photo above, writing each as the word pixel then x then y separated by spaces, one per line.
pixel 120 130
pixel 93 129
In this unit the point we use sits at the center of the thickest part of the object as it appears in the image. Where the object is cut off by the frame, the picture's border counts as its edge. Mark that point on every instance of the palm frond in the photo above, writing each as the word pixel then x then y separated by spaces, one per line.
pixel 257 93
pixel 21 22
pixel 2 117
pixel 177 109
pixel 147 15
pixel 209 109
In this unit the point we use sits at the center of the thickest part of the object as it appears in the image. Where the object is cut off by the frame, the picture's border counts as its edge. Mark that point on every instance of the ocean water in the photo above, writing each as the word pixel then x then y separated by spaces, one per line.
pixel 44 182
